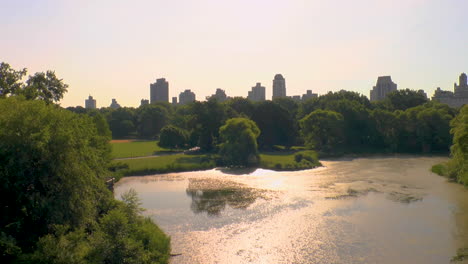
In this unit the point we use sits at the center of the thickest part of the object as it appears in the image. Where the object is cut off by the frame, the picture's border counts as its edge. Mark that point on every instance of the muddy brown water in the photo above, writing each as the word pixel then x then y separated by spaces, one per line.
pixel 388 209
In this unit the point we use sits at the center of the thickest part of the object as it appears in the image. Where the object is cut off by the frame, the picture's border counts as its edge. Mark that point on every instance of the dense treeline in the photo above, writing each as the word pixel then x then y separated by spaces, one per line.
pixel 55 206
pixel 335 123
pixel 457 167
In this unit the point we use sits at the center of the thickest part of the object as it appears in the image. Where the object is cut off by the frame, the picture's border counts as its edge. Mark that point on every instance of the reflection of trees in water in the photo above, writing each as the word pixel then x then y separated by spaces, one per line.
pixel 212 195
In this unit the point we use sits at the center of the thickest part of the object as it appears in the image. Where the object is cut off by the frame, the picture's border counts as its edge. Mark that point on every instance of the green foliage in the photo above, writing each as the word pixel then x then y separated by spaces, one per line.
pixel 172 137
pixel 10 80
pixel 40 86
pixel 458 165
pixel 121 121
pixel 323 130
pixel 239 142
pixel 276 124
pixel 151 119
pixel 54 203
pixel 404 99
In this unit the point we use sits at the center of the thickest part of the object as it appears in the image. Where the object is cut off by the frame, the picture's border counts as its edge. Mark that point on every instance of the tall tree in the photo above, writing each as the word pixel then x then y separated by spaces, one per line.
pixel 10 80
pixel 239 142
pixel 323 130
pixel 45 86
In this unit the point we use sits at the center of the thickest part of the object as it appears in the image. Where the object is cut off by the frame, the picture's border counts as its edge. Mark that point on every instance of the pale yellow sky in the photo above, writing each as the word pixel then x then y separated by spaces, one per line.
pixel 115 49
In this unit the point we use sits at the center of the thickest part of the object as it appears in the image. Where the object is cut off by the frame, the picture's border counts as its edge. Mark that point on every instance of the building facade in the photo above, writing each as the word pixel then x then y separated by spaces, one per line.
pixel 90 103
pixel 159 91
pixel 186 97
pixel 308 95
pixel 114 104
pixel 458 97
pixel 279 86
pixel 144 102
pixel 257 93
pixel 384 86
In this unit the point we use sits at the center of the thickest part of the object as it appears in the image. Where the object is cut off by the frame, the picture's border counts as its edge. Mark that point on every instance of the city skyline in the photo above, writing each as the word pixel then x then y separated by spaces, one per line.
pixel 114 49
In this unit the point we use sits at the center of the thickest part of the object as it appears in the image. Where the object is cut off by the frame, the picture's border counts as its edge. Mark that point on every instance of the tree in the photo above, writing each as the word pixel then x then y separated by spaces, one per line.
pixel 44 86
pixel 239 142
pixel 54 165
pixel 323 130
pixel 458 164
pixel 404 99
pixel 54 204
pixel 151 119
pixel 172 137
pixel 276 125
pixel 10 80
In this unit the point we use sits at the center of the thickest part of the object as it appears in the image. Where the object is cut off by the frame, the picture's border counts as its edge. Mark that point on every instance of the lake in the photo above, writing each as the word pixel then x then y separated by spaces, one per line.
pixel 387 209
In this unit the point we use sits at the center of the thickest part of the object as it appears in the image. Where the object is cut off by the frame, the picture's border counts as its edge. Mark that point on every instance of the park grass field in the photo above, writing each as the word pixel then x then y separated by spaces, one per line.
pixel 287 160
pixel 168 163
pixel 130 149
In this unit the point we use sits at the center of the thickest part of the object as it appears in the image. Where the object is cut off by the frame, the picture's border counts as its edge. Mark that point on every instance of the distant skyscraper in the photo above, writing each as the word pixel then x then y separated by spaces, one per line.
pixel 309 95
pixel 384 86
pixel 114 104
pixel 257 93
pixel 90 103
pixel 159 91
pixel 174 100
pixel 186 97
pixel 279 86
pixel 458 97
pixel 144 102
pixel 220 95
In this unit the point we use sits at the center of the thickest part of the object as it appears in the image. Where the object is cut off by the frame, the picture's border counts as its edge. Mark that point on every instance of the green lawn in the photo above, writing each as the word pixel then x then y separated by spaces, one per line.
pixel 286 160
pixel 167 163
pixel 135 149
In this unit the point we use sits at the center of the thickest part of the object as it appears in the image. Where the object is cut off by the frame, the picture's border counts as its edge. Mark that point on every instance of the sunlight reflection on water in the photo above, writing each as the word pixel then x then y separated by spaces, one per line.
pixel 367 210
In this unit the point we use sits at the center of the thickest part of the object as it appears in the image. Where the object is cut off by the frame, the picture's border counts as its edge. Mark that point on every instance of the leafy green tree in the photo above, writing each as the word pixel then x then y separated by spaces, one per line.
pixel 54 165
pixel 458 164
pixel 404 99
pixel 323 130
pixel 172 137
pixel 242 106
pixel 45 86
pixel 10 80
pixel 151 119
pixel 239 147
pixel 276 125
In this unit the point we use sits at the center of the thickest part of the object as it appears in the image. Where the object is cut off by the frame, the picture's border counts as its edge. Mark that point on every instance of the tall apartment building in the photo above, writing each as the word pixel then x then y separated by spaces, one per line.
pixel 257 93
pixel 384 86
pixel 159 91
pixel 279 86
pixel 458 97
pixel 144 102
pixel 186 97
pixel 90 103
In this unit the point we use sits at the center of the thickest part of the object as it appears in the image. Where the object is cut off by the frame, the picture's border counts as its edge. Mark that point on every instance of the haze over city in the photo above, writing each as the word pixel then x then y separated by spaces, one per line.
pixel 115 49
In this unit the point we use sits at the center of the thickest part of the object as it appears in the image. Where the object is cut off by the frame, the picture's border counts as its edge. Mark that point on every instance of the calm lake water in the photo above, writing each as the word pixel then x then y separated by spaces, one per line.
pixel 367 210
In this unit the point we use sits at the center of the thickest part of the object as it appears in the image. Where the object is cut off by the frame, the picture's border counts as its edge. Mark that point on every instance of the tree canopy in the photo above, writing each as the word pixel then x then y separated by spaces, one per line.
pixel 239 142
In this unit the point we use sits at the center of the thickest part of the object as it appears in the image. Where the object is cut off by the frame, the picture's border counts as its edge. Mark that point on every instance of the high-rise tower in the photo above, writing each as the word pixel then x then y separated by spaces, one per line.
pixel 384 86
pixel 279 86
pixel 159 91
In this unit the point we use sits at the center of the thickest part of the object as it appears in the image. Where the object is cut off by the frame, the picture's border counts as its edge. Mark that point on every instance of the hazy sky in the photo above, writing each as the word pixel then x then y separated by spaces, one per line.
pixel 116 48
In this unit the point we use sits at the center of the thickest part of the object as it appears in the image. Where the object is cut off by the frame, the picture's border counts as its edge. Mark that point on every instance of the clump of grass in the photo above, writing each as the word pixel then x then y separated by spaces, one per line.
pixel 439 169
pixel 168 163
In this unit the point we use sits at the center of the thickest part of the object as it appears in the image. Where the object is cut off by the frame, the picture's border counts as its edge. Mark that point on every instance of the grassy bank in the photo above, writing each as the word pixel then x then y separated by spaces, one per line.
pixel 169 163
pixel 289 160
pixel 277 160
pixel 132 149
